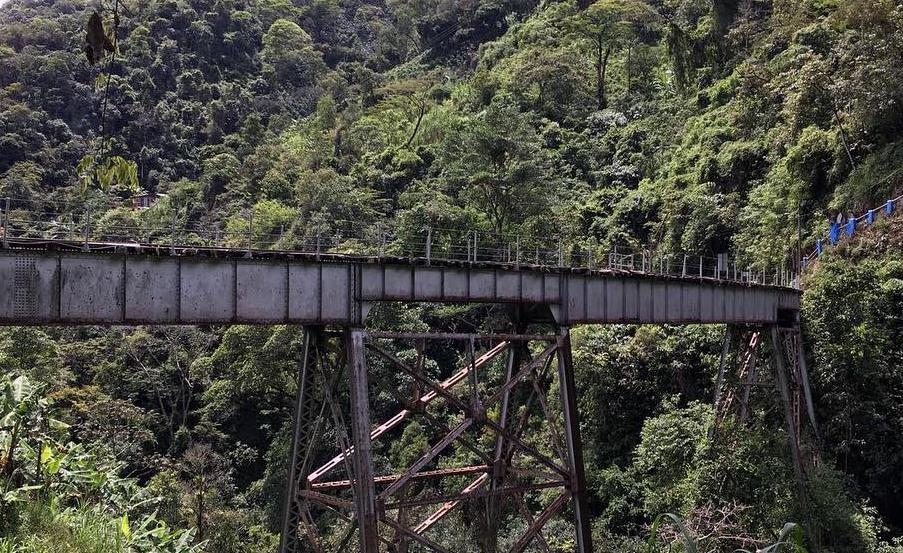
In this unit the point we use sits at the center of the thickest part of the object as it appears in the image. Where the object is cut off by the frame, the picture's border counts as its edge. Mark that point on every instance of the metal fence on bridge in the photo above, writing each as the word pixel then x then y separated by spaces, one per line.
pixel 35 221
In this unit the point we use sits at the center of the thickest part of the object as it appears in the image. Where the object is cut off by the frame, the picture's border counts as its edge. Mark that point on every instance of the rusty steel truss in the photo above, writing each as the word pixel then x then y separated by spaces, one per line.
pixel 733 389
pixel 475 465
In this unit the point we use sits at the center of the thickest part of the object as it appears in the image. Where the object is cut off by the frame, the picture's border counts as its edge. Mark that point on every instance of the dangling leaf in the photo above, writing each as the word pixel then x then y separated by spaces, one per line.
pixel 124 527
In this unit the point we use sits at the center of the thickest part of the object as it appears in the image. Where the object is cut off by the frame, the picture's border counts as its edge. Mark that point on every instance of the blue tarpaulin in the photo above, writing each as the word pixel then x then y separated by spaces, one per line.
pixel 818 246
pixel 834 233
pixel 870 218
pixel 851 226
pixel 889 208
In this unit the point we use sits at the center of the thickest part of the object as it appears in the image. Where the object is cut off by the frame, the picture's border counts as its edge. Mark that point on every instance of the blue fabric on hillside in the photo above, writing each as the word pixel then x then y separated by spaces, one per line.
pixel 870 218
pixel 851 226
pixel 889 208
pixel 818 246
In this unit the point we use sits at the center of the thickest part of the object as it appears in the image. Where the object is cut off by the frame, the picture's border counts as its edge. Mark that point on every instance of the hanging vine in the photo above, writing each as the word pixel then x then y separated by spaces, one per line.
pixel 98 168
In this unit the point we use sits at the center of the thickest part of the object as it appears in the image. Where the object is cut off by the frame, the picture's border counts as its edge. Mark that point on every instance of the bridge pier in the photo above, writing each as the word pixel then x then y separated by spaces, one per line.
pixel 733 390
pixel 500 391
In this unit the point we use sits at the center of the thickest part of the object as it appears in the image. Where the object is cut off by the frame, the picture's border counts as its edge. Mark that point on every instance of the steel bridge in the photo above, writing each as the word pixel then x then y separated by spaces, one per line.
pixel 481 411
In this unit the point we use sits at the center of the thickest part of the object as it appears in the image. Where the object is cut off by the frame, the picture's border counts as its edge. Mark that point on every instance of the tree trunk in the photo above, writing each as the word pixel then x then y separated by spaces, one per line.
pixel 417 125
pixel 8 461
pixel 601 67
pixel 629 68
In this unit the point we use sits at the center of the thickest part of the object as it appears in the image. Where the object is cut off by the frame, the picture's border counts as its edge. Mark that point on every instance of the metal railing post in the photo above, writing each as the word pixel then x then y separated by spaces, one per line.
pixel 700 266
pixel 469 246
pixel 517 253
pixel 87 227
pixel 429 244
pixel 318 246
pixel 6 223
pixel 683 271
pixel 250 232
pixel 560 252
pixel 172 233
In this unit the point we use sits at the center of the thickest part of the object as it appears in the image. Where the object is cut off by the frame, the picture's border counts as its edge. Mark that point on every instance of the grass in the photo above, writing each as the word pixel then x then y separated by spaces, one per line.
pixel 44 528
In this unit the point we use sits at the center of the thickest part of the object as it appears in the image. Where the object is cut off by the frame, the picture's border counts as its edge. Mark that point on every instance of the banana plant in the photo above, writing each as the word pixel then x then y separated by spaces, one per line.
pixel 19 401
pixel 155 536
pixel 23 418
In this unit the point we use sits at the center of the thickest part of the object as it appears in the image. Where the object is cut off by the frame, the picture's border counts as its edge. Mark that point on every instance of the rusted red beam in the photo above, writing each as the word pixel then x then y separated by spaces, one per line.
pixel 449 506
pixel 402 415
pixel 427 457
pixel 476 494
pixel 540 521
pixel 439 473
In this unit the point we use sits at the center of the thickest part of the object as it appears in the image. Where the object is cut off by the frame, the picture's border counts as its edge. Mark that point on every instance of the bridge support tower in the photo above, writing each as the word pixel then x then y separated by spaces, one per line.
pixel 485 445
pixel 739 374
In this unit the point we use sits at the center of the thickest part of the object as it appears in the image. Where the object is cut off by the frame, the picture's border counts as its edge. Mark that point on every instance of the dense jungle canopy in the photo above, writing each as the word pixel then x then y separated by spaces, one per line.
pixel 691 126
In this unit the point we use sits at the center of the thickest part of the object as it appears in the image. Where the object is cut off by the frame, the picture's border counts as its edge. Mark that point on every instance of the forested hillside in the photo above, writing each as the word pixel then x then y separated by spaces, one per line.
pixel 692 126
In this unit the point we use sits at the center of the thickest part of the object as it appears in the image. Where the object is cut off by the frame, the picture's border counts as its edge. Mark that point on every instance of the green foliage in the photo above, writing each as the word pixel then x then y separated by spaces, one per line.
pixel 857 379
pixel 111 174
pixel 679 126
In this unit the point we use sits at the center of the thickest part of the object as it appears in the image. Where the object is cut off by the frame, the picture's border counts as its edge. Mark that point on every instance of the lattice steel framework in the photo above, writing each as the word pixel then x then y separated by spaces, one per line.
pixel 480 462
pixel 733 389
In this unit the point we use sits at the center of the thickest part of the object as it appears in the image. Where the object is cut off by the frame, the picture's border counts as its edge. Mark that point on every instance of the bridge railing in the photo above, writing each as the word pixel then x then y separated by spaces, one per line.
pixel 27 219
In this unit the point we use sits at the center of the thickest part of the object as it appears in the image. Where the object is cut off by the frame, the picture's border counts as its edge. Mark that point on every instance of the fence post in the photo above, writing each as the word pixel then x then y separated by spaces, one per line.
pixel 560 252
pixel 700 266
pixel 6 223
pixel 318 246
pixel 517 253
pixel 172 233
pixel 87 226
pixel 475 246
pixel 429 244
pixel 250 232
pixel 683 271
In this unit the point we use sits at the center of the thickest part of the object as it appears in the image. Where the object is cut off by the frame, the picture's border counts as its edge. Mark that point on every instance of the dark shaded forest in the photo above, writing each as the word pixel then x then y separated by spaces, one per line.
pixel 690 126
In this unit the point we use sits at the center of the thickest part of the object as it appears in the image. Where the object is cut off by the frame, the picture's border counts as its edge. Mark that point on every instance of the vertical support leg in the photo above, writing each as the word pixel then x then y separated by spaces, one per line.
pixel 305 427
pixel 780 369
pixel 747 387
pixel 493 501
pixel 364 487
pixel 573 442
pixel 722 366
pixel 804 379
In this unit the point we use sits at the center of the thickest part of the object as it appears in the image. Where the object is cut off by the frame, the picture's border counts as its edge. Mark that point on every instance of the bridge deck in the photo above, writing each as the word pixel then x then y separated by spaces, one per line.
pixel 45 282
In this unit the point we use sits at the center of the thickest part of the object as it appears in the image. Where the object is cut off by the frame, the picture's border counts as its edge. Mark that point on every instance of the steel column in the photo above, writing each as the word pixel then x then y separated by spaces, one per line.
pixel 780 367
pixel 305 428
pixel 364 486
pixel 573 442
